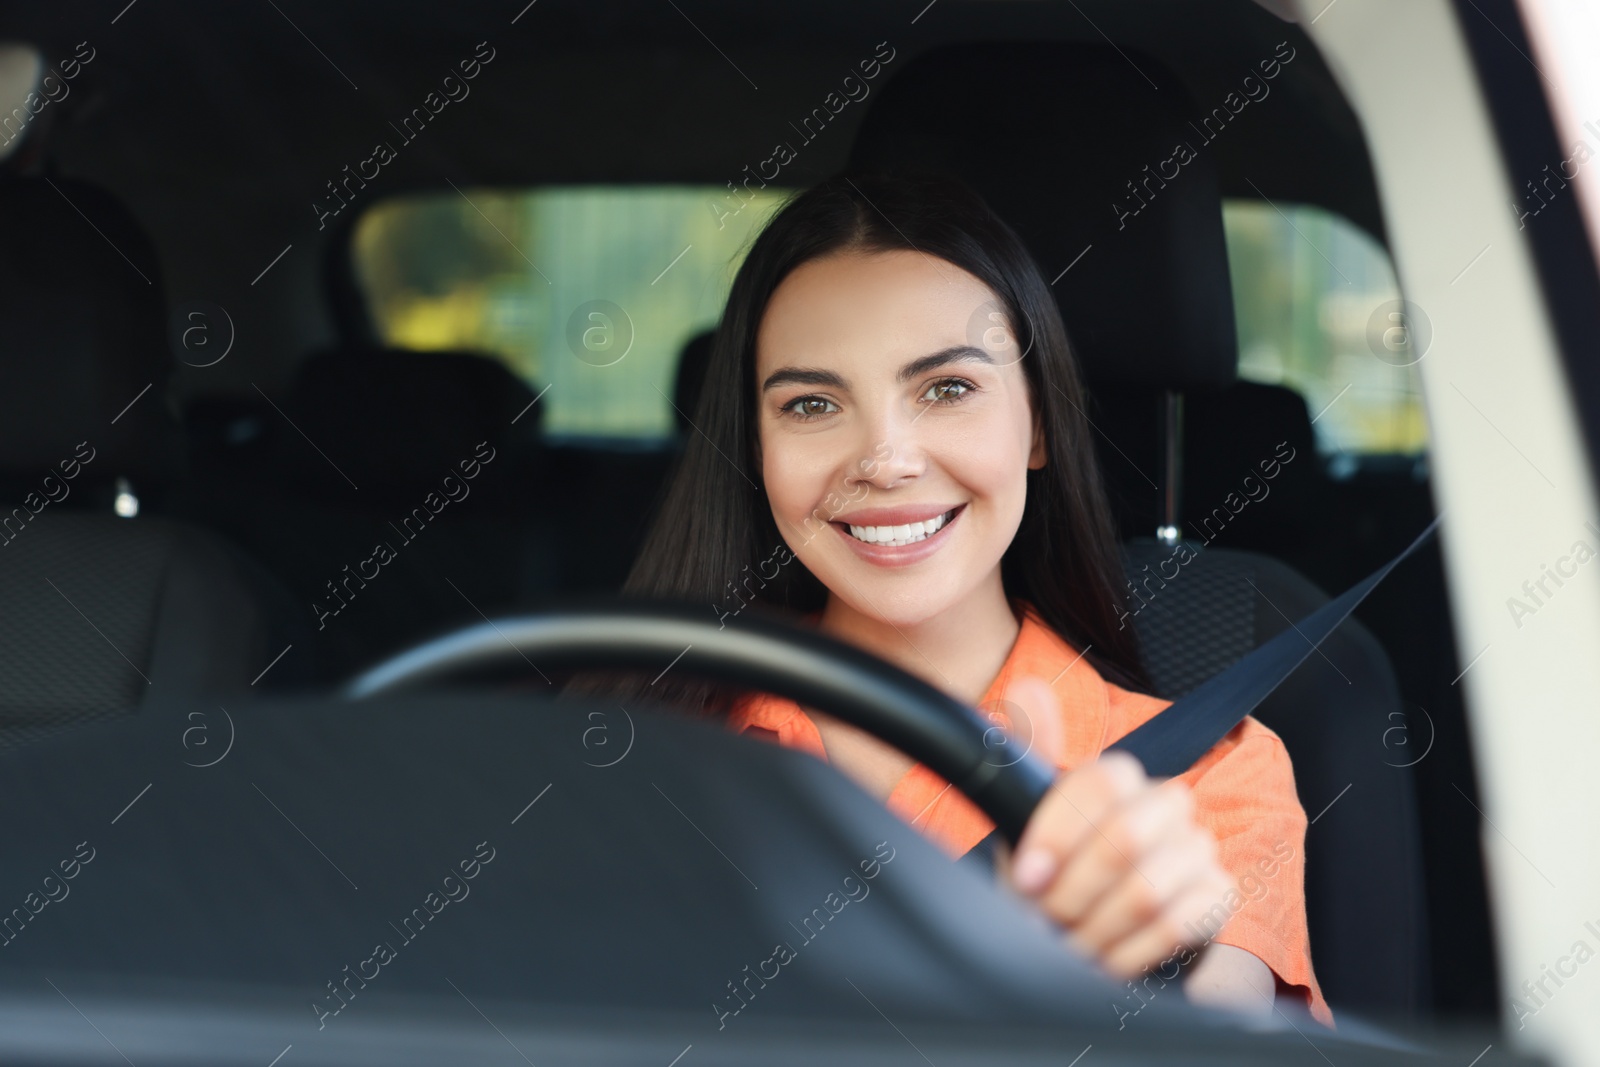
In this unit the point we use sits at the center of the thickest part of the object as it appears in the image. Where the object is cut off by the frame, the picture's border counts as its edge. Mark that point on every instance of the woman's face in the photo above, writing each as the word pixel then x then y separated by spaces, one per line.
pixel 895 430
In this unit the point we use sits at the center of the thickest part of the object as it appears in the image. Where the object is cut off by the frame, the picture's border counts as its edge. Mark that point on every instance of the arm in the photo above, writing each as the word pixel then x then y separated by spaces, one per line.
pixel 1231 978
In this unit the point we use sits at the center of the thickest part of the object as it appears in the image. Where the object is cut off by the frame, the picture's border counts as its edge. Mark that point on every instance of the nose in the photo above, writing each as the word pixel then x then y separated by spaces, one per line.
pixel 888 454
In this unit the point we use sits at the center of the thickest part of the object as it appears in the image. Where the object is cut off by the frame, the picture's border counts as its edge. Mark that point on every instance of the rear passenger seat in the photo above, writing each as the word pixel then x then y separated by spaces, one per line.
pixel 111 605
pixel 397 493
pixel 364 435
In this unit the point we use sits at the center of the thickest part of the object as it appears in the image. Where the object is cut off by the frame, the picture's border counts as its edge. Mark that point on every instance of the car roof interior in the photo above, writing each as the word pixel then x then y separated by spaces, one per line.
pixel 214 118
pixel 220 129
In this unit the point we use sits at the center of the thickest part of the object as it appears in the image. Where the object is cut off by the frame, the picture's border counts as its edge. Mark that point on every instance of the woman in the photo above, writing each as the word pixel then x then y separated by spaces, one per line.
pixel 891 440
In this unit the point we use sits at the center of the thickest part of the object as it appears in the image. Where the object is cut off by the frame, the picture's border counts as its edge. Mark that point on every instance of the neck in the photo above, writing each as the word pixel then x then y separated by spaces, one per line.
pixel 959 650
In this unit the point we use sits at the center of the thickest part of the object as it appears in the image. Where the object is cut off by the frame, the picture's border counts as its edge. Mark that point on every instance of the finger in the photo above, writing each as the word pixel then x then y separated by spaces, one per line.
pixel 1036 718
pixel 1138 900
pixel 1193 919
pixel 1069 815
pixel 1119 848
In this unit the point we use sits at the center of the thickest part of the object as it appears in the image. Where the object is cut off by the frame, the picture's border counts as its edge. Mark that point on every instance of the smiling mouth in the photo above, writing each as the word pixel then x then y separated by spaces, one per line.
pixel 895 536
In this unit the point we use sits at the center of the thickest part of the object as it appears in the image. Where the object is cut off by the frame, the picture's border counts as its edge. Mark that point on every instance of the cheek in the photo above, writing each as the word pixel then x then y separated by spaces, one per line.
pixel 997 478
pixel 990 459
pixel 797 474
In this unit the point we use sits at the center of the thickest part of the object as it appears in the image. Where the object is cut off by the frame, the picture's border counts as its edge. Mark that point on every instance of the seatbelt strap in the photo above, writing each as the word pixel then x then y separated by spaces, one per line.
pixel 1178 736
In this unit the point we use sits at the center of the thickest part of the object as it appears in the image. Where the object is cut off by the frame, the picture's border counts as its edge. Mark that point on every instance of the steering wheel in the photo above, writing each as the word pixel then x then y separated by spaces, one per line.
pixel 759 653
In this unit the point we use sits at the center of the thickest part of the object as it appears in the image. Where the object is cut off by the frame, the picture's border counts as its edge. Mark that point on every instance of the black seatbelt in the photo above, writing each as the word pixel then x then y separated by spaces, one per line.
pixel 1178 736
pixel 1181 733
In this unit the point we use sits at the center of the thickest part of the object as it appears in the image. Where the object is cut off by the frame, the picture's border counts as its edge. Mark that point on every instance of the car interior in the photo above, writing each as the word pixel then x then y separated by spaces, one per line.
pixel 287 342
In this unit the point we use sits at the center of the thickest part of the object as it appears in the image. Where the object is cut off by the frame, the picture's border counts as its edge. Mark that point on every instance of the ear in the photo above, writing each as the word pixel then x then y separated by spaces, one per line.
pixel 1037 455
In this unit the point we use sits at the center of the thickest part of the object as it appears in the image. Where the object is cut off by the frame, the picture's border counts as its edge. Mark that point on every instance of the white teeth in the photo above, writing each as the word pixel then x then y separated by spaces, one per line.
pixel 901 535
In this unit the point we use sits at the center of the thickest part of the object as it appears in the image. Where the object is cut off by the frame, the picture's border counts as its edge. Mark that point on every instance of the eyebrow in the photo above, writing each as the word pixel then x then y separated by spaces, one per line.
pixel 916 368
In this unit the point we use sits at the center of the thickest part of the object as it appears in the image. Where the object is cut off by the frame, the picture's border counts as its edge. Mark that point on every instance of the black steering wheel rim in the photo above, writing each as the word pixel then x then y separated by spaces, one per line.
pixel 763 653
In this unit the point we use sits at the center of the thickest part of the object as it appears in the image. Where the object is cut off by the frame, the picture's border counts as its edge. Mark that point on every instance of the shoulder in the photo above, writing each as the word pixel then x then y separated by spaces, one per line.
pixel 1129 710
pixel 1249 766
pixel 1083 690
pixel 1249 774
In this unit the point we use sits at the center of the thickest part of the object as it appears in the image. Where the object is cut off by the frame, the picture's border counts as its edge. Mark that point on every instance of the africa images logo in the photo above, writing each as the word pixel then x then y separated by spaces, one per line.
pixel 1211 126
pixel 385 952
pixel 455 89
pixel 855 889
pixel 852 89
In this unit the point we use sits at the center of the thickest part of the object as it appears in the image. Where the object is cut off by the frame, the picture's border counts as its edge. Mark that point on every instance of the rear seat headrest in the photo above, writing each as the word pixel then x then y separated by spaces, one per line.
pixel 689 380
pixel 1099 162
pixel 394 419
pixel 82 317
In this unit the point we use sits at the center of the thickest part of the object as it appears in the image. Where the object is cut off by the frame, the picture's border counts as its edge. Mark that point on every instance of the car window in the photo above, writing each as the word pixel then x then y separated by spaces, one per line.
pixel 593 290
pixel 589 291
pixel 1319 310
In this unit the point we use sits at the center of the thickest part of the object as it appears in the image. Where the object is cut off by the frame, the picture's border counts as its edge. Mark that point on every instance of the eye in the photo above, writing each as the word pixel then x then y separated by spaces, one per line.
pixel 810 407
pixel 948 391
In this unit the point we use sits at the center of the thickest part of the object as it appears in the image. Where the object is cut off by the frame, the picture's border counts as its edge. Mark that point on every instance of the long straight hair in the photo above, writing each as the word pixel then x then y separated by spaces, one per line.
pixel 714 531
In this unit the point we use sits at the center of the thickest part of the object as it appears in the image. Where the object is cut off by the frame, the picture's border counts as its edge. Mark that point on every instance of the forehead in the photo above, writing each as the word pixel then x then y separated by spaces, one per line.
pixel 890 304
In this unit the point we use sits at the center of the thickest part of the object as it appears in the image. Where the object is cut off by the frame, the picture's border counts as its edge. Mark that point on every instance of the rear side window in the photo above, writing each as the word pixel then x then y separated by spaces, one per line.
pixel 590 291
pixel 1319 310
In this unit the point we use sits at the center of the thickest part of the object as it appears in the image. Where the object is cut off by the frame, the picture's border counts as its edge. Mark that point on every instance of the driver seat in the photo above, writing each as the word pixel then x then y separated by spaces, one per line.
pixel 1139 266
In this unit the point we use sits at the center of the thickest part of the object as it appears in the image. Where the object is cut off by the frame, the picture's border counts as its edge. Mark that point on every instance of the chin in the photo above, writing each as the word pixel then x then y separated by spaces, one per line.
pixel 895 604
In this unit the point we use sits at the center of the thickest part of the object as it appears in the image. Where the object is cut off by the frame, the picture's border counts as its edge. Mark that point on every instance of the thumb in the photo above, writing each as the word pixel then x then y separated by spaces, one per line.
pixel 1033 722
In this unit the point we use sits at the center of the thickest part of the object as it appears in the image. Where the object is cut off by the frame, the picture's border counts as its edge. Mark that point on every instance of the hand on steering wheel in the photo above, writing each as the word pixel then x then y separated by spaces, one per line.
pixel 1113 855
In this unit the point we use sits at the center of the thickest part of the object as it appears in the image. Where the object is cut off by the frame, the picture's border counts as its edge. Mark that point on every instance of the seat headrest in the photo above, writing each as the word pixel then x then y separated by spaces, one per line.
pixel 1099 162
pixel 394 419
pixel 690 379
pixel 82 336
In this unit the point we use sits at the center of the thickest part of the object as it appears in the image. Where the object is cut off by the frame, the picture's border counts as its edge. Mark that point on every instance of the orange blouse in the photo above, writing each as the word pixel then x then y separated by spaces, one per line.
pixel 1243 789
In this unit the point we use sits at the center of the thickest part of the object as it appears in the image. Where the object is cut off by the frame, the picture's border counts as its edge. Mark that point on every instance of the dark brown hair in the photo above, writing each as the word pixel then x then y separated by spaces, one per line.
pixel 714 531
